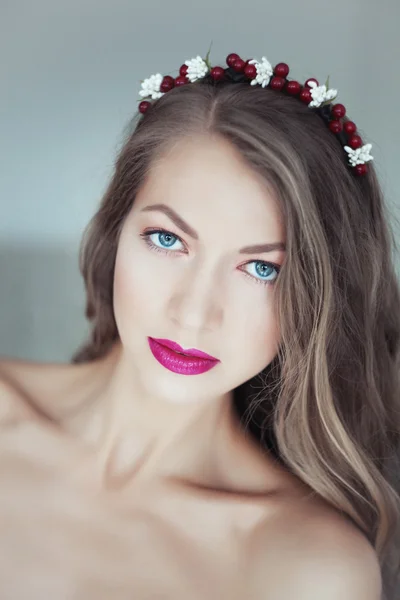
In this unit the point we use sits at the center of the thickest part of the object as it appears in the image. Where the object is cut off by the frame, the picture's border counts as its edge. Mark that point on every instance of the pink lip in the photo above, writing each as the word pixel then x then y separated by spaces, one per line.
pixel 189 351
pixel 178 363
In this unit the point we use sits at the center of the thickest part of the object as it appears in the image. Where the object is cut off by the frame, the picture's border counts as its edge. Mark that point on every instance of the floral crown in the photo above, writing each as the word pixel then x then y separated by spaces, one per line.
pixel 318 97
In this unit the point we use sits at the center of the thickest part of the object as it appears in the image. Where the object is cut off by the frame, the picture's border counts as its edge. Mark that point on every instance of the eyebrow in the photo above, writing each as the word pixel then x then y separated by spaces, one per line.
pixel 186 228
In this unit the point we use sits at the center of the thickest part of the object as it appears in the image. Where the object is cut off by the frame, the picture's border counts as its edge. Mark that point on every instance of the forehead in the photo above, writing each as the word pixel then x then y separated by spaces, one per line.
pixel 207 176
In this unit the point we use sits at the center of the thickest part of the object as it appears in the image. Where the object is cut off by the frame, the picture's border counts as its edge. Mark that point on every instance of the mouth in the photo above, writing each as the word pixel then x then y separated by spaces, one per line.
pixel 179 362
pixel 193 352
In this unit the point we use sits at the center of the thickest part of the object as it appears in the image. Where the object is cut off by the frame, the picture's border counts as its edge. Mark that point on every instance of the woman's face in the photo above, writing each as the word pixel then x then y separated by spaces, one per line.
pixel 194 284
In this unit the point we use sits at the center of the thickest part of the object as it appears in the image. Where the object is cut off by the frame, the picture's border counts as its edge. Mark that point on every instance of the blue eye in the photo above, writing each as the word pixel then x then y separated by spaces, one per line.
pixel 263 270
pixel 167 239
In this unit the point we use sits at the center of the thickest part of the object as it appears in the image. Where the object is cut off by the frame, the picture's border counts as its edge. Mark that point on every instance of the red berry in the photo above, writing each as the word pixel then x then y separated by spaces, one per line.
pixel 281 70
pixel 305 96
pixel 183 70
pixel 355 142
pixel 361 169
pixel 338 111
pixel 217 73
pixel 181 80
pixel 250 71
pixel 277 83
pixel 144 105
pixel 335 126
pixel 293 88
pixel 311 79
pixel 167 84
pixel 349 127
pixel 239 65
pixel 230 59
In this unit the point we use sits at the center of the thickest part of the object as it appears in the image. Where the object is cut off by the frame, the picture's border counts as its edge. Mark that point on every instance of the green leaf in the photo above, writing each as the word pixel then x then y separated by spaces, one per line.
pixel 206 60
pixel 327 83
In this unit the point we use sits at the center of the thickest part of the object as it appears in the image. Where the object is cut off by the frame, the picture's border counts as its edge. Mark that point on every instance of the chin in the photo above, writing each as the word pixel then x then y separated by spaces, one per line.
pixel 178 391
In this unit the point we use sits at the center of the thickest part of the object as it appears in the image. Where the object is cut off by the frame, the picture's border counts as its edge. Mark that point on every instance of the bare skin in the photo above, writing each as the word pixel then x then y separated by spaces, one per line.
pixel 73 527
pixel 122 480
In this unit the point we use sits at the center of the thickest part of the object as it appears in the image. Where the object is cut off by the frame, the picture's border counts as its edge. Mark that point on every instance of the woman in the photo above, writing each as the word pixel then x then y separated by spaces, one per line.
pixel 230 429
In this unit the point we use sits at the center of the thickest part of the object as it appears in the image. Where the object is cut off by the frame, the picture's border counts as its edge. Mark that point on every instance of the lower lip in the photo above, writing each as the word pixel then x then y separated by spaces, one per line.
pixel 178 363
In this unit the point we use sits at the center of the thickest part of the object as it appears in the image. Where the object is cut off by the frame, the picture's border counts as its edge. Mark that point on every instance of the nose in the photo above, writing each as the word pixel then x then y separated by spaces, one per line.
pixel 196 302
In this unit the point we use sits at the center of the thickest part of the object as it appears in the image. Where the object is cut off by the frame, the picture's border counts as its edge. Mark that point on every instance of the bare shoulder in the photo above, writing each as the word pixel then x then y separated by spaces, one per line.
pixel 16 402
pixel 12 403
pixel 316 554
pixel 50 390
pixel 31 389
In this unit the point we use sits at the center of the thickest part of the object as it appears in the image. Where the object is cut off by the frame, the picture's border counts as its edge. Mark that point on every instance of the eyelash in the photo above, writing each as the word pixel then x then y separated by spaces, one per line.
pixel 146 237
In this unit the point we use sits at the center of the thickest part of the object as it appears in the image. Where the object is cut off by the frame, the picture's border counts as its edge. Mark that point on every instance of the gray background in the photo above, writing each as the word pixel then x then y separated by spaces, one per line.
pixel 69 82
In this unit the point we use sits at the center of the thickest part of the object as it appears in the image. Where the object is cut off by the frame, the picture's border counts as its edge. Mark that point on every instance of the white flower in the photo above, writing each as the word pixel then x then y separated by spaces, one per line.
pixel 359 156
pixel 320 94
pixel 197 68
pixel 151 87
pixel 264 72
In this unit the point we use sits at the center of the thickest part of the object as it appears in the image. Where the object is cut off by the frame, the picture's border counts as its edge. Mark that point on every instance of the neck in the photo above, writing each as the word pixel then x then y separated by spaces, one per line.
pixel 143 435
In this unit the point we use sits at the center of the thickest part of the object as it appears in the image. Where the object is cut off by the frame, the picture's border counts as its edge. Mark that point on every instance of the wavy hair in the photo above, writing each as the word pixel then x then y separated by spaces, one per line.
pixel 328 405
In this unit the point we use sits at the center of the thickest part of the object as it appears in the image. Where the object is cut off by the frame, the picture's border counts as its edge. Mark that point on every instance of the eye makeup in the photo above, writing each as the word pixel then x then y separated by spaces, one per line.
pixel 149 232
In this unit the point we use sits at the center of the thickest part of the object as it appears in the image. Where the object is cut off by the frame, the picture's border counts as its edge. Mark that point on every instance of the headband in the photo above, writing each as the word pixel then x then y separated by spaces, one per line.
pixel 317 97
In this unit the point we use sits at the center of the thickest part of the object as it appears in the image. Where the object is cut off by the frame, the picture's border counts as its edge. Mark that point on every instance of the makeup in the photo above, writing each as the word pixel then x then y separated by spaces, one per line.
pixel 187 351
pixel 180 363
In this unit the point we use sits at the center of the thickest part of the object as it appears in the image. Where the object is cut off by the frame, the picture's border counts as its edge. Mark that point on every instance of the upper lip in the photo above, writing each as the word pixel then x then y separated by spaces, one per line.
pixel 188 351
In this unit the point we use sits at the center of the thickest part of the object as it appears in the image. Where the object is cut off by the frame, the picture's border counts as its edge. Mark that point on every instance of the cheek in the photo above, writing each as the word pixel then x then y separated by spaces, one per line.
pixel 127 296
pixel 127 288
pixel 139 290
pixel 265 334
pixel 258 336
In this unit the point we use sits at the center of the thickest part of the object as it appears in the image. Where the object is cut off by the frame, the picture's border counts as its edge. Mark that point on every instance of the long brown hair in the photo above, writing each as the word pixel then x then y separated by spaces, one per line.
pixel 328 405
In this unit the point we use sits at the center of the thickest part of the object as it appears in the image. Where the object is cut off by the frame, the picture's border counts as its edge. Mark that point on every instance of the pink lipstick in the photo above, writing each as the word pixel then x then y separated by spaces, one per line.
pixel 179 360
pixel 187 351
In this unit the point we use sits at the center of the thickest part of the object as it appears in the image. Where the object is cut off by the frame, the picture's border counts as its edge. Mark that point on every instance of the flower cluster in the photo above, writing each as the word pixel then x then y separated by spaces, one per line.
pixel 320 94
pixel 151 87
pixel 359 156
pixel 262 73
pixel 196 69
